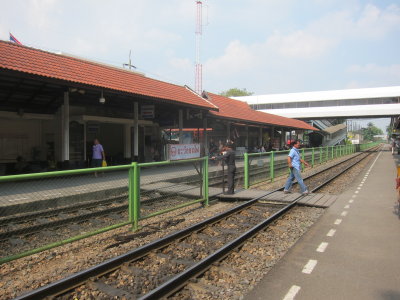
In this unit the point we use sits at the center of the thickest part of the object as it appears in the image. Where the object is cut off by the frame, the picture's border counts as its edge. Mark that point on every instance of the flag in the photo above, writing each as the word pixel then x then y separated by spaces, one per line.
pixel 14 40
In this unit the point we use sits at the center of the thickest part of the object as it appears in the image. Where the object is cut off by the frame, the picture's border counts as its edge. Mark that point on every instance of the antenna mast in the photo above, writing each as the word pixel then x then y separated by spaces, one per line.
pixel 130 62
pixel 199 32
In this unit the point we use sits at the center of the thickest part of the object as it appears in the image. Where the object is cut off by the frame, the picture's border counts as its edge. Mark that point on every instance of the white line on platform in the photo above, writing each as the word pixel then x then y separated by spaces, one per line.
pixel 309 267
pixel 344 213
pixel 81 190
pixel 292 292
pixel 322 247
pixel 338 221
pixel 351 201
pixel 353 196
pixel 331 232
pixel 356 192
pixel 347 206
pixel 359 188
pixel 23 198
pixel 360 185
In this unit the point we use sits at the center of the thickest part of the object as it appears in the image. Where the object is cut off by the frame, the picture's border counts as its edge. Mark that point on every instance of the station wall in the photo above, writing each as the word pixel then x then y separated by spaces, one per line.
pixel 30 139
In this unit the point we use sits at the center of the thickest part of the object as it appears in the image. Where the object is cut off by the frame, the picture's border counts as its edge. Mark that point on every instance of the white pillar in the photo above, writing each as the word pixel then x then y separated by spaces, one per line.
pixel 228 132
pixel 84 140
pixel 247 137
pixel 127 141
pixel 65 128
pixel 205 137
pixel 180 124
pixel 136 130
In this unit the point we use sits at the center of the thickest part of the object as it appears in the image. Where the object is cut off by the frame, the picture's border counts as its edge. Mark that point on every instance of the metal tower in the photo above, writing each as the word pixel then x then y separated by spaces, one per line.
pixel 199 31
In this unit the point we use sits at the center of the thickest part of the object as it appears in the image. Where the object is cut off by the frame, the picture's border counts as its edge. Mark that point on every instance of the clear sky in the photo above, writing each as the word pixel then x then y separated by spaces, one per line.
pixel 265 46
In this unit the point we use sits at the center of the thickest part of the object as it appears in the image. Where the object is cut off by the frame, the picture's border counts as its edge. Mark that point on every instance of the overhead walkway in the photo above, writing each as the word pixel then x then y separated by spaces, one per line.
pixel 352 252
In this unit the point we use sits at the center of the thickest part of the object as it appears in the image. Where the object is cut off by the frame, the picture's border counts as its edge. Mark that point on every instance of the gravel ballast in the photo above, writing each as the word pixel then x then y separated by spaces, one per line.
pixel 249 264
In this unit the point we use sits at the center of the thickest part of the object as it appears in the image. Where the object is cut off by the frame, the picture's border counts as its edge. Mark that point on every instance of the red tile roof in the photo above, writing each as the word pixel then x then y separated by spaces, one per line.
pixel 241 111
pixel 62 67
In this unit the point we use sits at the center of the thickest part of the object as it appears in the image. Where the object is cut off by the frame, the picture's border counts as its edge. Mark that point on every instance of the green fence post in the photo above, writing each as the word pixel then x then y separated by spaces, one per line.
pixel 320 155
pixel 332 153
pixel 131 192
pixel 302 157
pixel 272 165
pixel 312 157
pixel 327 153
pixel 136 196
pixel 205 180
pixel 246 170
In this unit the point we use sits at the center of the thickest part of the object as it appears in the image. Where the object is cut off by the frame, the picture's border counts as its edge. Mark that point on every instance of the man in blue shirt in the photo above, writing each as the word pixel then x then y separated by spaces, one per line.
pixel 294 162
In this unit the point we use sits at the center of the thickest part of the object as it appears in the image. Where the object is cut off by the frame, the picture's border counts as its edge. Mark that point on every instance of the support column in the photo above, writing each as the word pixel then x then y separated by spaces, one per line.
pixel 205 137
pixel 247 138
pixel 136 131
pixel 272 136
pixel 260 137
pixel 180 123
pixel 65 128
pixel 127 141
pixel 283 135
pixel 228 132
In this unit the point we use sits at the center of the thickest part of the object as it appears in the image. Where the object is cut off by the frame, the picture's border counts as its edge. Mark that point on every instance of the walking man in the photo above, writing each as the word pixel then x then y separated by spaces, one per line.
pixel 294 162
pixel 229 157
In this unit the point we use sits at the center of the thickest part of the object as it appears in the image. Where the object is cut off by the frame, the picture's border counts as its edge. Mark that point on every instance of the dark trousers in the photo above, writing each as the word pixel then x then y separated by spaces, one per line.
pixel 231 179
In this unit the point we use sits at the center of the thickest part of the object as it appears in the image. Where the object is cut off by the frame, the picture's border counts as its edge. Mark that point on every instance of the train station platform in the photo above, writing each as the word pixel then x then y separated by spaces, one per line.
pixel 352 252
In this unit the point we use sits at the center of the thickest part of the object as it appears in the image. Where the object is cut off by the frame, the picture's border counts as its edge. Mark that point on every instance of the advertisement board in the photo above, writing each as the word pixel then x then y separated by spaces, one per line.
pixel 183 151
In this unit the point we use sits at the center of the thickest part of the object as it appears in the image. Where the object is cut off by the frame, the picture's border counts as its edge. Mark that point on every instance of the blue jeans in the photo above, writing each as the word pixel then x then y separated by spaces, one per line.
pixel 294 173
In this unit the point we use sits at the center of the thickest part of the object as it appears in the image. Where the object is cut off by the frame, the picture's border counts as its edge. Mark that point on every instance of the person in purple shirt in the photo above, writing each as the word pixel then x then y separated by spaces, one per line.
pixel 294 162
pixel 98 154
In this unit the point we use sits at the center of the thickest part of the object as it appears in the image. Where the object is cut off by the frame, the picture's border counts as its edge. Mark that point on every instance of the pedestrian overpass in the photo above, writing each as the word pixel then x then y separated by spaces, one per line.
pixel 351 103
pixel 320 107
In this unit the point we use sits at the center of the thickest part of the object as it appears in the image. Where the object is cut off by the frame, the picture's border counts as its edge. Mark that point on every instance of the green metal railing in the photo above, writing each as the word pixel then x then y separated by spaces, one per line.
pixel 142 183
pixel 259 167
pixel 134 188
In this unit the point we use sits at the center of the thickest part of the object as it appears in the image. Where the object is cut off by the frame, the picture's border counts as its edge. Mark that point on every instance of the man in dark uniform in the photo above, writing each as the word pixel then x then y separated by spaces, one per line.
pixel 229 156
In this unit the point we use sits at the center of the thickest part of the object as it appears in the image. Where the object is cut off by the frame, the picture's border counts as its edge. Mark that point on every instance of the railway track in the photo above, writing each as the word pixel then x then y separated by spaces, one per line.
pixel 29 223
pixel 161 268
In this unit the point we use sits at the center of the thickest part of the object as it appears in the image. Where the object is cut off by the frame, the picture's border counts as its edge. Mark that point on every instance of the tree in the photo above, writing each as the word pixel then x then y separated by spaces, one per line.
pixel 370 131
pixel 235 92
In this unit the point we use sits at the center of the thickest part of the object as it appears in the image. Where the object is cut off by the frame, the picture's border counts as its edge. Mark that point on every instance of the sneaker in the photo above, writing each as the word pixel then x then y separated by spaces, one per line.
pixel 306 192
pixel 287 192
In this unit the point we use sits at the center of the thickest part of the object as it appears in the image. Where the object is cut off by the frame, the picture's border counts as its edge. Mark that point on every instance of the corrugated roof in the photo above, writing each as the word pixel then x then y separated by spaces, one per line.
pixel 37 62
pixel 239 110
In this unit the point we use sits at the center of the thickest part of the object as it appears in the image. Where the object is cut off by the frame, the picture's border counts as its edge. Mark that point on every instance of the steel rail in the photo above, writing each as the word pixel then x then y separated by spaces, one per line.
pixel 74 280
pixel 180 280
pixel 77 279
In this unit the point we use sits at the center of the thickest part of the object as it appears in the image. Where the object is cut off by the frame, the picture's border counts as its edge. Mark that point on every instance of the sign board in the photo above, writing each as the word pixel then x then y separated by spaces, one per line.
pixel 183 151
pixel 147 111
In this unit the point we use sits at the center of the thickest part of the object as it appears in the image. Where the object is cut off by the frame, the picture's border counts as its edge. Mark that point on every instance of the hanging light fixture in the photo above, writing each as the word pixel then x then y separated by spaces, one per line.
pixel 102 100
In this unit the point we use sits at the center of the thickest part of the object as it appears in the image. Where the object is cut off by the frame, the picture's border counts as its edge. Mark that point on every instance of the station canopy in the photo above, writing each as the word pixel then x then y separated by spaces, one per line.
pixel 242 112
pixel 34 80
pixel 29 75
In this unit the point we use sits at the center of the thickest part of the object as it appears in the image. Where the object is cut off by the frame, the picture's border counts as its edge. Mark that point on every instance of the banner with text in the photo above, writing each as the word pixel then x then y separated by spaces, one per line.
pixel 184 151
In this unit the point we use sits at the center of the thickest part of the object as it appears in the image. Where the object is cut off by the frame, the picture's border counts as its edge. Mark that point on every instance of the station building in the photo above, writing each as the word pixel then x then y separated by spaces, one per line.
pixel 52 106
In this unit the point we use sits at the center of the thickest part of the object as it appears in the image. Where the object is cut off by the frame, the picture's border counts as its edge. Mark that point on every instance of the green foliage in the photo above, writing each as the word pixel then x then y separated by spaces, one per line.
pixel 235 92
pixel 370 131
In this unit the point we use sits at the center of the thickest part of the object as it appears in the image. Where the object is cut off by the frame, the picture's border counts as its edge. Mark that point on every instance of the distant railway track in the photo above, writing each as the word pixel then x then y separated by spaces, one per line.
pixel 162 267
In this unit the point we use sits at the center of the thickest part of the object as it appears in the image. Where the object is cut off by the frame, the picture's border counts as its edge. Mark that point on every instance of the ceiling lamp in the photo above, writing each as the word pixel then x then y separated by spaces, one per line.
pixel 102 100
